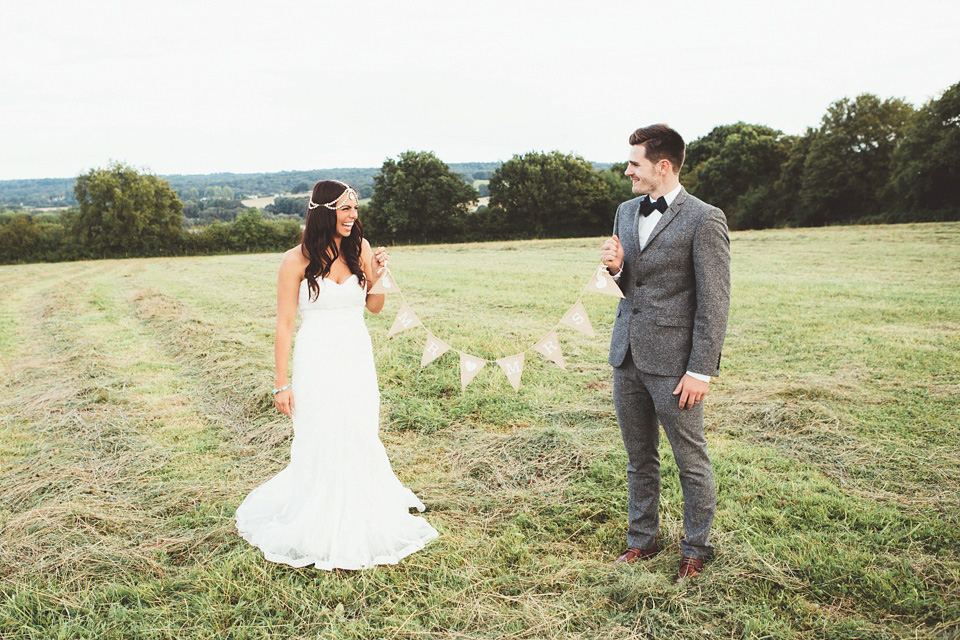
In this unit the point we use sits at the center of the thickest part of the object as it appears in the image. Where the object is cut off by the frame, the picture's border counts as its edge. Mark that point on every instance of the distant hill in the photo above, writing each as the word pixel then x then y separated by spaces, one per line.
pixel 53 192
pixel 58 192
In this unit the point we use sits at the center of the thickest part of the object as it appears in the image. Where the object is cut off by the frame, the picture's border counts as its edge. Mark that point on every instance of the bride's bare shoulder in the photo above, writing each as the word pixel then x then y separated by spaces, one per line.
pixel 295 256
pixel 294 261
pixel 295 253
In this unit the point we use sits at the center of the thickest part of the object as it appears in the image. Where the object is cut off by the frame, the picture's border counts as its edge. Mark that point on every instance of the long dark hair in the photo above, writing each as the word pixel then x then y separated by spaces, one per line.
pixel 318 243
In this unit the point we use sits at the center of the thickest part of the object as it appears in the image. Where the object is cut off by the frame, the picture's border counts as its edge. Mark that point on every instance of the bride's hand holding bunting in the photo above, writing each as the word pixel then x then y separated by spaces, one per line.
pixel 512 366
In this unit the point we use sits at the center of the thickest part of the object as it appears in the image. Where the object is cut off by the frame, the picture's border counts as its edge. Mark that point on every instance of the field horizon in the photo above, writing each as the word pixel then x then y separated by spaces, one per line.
pixel 136 414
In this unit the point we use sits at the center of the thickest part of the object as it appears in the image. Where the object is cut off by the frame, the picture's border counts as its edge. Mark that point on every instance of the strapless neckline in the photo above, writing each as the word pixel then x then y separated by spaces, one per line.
pixel 339 284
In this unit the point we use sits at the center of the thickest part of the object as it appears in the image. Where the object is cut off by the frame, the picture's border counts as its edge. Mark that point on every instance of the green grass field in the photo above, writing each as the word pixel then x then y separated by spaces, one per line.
pixel 135 415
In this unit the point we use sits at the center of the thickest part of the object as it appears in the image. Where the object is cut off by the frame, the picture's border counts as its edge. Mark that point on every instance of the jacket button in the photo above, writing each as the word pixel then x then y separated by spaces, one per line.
pixel 638 283
pixel 636 309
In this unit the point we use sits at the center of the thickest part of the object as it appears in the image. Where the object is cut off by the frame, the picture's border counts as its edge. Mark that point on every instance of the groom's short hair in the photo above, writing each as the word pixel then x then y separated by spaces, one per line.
pixel 659 142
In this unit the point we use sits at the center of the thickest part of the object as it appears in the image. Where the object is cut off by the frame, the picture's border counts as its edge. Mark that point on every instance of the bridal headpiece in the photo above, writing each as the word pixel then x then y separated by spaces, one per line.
pixel 348 194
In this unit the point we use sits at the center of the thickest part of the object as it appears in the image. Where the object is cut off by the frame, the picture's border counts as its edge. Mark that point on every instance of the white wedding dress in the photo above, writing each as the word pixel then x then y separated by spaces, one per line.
pixel 337 505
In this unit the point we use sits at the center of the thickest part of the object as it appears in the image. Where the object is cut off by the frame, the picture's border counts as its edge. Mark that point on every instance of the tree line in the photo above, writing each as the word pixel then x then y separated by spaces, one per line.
pixel 869 160
pixel 124 213
pixel 417 198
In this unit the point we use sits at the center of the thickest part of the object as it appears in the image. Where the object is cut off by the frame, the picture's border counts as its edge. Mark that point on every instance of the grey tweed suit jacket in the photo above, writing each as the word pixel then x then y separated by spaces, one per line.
pixel 677 289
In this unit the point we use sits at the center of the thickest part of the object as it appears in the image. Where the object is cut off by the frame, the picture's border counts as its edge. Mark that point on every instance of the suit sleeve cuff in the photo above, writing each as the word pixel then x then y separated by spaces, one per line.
pixel 698 376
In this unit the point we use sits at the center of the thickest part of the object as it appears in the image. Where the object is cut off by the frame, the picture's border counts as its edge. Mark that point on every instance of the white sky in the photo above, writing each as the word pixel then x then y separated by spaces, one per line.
pixel 201 87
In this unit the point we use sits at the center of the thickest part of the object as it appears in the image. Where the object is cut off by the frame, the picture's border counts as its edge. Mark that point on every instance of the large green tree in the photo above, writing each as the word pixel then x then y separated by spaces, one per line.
pixel 619 185
pixel 848 164
pixel 417 197
pixel 734 166
pixel 123 212
pixel 19 237
pixel 925 173
pixel 782 205
pixel 552 194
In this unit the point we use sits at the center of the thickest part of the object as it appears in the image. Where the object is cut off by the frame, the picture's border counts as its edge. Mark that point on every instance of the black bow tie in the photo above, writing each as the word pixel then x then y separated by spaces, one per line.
pixel 648 205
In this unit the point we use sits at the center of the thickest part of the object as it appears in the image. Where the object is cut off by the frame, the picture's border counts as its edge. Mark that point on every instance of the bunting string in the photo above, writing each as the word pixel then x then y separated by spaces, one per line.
pixel 512 366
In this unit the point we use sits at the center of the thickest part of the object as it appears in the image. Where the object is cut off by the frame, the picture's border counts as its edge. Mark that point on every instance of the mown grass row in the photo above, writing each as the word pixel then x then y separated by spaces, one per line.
pixel 136 415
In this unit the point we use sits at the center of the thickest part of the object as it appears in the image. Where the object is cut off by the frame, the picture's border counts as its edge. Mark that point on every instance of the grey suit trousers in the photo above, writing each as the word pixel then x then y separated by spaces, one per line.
pixel 640 399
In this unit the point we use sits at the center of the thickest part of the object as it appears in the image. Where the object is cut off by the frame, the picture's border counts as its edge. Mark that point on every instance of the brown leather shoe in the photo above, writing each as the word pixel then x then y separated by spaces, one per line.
pixel 689 568
pixel 632 554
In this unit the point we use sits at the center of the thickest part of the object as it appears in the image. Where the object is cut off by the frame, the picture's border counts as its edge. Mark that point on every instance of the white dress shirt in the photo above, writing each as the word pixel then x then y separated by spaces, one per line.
pixel 644 229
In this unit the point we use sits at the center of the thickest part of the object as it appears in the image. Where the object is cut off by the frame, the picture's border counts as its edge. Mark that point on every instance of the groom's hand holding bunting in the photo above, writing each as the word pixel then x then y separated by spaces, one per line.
pixel 611 255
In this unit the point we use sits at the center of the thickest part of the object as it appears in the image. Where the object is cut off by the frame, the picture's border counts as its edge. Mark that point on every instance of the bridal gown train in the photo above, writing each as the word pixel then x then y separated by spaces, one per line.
pixel 337 505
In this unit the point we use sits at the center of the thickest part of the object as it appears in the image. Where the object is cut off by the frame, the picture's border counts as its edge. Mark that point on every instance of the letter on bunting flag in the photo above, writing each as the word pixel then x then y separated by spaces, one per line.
pixel 433 349
pixel 469 367
pixel 513 367
pixel 549 346
pixel 386 284
pixel 406 319
pixel 603 282
pixel 577 318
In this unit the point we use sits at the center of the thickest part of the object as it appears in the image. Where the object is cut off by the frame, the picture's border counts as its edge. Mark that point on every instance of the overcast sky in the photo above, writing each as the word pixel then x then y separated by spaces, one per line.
pixel 203 87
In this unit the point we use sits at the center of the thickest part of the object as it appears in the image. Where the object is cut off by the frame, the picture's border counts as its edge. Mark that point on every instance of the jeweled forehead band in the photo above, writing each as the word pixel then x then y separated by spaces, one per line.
pixel 346 195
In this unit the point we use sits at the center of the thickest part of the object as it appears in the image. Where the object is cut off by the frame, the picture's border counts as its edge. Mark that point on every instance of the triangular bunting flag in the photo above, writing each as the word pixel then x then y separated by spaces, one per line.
pixel 386 284
pixel 406 319
pixel 577 318
pixel 433 349
pixel 469 367
pixel 549 346
pixel 603 282
pixel 513 367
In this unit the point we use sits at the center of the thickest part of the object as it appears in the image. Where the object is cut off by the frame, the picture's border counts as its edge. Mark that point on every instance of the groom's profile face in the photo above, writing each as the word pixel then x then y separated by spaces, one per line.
pixel 645 175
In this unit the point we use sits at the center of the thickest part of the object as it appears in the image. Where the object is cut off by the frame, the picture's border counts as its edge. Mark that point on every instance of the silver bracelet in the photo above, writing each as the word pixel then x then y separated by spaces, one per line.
pixel 283 388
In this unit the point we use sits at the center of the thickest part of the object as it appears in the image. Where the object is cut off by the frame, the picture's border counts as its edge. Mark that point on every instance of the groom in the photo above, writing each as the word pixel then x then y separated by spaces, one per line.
pixel 670 254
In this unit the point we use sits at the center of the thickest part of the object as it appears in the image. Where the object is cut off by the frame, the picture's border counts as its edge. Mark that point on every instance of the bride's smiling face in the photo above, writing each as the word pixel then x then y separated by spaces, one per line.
pixel 346 216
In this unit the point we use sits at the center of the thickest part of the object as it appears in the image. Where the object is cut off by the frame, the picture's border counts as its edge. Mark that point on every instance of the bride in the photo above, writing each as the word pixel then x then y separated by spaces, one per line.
pixel 337 505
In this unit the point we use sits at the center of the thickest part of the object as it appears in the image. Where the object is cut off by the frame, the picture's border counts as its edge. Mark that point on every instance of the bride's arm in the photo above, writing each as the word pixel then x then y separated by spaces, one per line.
pixel 288 288
pixel 370 268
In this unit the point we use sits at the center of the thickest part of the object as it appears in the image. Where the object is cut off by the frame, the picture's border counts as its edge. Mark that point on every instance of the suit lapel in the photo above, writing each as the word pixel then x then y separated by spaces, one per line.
pixel 630 242
pixel 667 217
